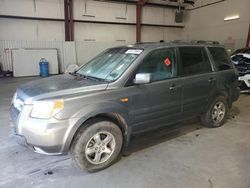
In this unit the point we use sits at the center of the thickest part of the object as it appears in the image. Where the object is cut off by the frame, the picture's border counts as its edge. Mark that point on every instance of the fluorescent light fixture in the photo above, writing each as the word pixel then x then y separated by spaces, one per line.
pixel 231 17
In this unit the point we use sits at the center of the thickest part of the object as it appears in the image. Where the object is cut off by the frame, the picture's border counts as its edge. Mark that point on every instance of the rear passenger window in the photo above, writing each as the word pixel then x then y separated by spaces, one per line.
pixel 220 58
pixel 194 61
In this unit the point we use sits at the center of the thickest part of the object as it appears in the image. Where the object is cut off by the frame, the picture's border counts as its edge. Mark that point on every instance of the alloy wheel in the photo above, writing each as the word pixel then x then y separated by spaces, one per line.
pixel 218 112
pixel 100 147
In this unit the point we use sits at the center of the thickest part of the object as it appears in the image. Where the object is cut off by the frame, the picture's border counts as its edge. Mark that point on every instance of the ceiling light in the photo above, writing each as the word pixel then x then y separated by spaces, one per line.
pixel 231 17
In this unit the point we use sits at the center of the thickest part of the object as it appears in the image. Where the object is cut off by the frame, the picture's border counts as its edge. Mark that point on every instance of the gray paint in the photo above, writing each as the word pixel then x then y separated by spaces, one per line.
pixel 150 105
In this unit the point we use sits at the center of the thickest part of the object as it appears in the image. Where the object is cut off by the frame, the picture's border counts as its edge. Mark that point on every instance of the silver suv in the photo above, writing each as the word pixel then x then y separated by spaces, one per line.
pixel 93 111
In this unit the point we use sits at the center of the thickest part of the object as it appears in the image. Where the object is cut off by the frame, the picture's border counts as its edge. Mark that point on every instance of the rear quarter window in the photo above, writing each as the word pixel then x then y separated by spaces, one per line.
pixel 220 58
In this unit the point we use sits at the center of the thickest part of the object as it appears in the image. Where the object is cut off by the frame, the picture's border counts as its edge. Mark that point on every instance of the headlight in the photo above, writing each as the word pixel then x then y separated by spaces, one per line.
pixel 46 109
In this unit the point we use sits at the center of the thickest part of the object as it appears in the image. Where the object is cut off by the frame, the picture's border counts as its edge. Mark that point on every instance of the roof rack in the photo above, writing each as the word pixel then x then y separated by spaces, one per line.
pixel 207 42
pixel 196 42
pixel 177 41
pixel 144 42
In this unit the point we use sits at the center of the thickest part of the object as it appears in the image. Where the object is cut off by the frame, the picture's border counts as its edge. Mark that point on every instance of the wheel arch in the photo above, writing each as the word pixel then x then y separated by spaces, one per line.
pixel 222 93
pixel 227 96
pixel 116 118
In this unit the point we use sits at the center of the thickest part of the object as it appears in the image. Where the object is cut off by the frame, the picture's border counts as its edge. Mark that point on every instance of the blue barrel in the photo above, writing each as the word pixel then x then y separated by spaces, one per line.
pixel 44 67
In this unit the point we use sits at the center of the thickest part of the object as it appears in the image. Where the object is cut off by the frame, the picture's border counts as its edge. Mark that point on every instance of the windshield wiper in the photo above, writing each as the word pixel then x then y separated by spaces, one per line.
pixel 78 75
pixel 95 78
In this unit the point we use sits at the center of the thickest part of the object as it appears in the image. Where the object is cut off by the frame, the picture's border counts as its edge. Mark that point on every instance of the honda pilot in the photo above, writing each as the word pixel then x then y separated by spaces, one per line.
pixel 92 112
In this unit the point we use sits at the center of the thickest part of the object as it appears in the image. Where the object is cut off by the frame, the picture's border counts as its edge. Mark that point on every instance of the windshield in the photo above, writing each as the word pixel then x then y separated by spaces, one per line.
pixel 110 64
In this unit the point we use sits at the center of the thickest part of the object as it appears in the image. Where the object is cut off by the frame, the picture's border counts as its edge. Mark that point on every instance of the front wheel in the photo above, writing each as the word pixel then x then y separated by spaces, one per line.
pixel 97 145
pixel 216 113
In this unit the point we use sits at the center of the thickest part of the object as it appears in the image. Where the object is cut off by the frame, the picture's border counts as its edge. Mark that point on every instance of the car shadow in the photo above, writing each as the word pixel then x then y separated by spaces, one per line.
pixel 145 140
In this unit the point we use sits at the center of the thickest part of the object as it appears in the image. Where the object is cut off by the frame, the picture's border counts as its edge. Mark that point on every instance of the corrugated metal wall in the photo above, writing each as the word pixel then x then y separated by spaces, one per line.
pixel 68 52
pixel 7 45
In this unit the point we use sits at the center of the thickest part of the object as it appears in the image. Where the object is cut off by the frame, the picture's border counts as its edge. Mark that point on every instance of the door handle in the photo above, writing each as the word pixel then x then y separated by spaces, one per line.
pixel 174 87
pixel 211 80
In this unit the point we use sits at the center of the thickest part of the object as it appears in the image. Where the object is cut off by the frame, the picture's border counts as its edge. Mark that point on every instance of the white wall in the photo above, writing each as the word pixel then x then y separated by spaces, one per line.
pixel 18 29
pixel 37 8
pixel 208 23
pixel 14 29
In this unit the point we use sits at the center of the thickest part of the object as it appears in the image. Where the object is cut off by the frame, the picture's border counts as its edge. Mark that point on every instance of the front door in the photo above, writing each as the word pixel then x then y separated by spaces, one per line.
pixel 163 94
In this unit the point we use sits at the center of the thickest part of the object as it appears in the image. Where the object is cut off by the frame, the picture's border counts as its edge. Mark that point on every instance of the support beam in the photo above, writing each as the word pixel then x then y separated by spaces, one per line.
pixel 248 38
pixel 68 20
pixel 139 6
pixel 71 20
pixel 138 22
pixel 87 21
pixel 133 2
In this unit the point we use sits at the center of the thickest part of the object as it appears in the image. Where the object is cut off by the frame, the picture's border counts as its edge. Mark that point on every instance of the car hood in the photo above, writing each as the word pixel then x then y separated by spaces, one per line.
pixel 57 86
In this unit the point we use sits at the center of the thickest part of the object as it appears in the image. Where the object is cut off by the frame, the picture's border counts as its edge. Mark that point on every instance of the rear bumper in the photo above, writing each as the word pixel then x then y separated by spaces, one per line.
pixel 235 94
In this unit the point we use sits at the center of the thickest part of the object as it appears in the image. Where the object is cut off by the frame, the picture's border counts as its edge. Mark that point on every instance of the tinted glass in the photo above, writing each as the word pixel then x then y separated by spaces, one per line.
pixel 160 63
pixel 220 57
pixel 194 61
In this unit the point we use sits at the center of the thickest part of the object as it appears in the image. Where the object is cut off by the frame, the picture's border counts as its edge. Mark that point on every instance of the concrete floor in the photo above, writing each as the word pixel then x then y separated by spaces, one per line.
pixel 183 156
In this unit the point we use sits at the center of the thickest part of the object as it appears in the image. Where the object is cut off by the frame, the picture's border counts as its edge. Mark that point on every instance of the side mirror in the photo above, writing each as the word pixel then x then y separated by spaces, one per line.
pixel 71 68
pixel 142 78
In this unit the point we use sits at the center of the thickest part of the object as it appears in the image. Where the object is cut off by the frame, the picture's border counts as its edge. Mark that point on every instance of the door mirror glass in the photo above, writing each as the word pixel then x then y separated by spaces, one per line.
pixel 71 68
pixel 142 78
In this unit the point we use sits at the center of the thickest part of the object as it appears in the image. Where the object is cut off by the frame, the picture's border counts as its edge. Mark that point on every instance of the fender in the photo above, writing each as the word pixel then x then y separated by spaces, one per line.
pixel 106 109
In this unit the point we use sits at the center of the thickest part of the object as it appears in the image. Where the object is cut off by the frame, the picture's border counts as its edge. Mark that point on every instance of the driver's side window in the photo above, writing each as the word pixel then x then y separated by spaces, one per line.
pixel 159 63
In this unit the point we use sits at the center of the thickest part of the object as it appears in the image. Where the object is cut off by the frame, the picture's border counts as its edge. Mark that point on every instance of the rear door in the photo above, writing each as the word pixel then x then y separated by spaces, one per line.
pixel 226 73
pixel 199 80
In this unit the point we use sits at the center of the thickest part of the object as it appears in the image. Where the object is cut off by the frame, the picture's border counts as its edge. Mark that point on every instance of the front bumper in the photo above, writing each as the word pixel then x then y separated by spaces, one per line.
pixel 43 136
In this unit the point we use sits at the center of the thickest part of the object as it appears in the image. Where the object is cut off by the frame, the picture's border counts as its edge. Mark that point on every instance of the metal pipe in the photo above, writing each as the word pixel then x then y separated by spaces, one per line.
pixel 206 5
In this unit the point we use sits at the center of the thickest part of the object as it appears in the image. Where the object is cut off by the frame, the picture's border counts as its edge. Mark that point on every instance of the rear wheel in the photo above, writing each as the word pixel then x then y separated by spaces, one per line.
pixel 97 145
pixel 216 114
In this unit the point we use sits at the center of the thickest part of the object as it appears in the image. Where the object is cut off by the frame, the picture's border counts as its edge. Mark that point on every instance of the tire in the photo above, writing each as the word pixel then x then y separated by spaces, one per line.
pixel 97 145
pixel 209 118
